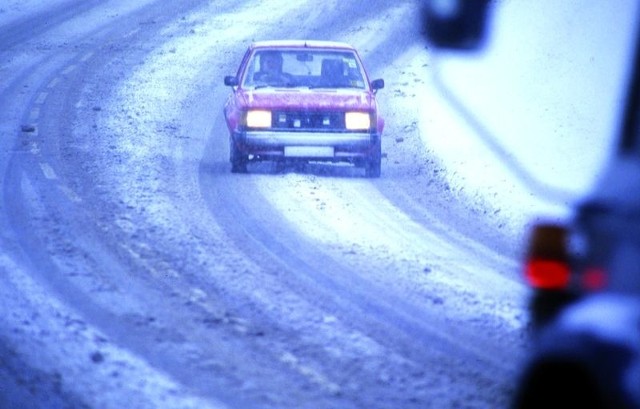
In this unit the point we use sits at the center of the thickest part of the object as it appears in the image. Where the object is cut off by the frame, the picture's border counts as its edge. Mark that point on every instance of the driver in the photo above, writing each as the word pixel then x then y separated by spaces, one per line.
pixel 271 69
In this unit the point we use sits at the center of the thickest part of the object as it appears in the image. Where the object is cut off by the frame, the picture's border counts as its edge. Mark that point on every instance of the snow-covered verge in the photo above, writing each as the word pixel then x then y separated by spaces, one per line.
pixel 532 119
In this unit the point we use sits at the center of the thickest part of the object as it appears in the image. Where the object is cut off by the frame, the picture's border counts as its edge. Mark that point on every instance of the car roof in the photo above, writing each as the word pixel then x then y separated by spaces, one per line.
pixel 300 44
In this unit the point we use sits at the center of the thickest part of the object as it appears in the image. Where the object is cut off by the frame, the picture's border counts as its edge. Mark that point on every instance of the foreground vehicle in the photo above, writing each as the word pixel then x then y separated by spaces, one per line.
pixel 585 276
pixel 585 302
pixel 303 101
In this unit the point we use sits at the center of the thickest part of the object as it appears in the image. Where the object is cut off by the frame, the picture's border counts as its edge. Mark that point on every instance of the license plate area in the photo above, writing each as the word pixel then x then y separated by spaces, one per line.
pixel 308 151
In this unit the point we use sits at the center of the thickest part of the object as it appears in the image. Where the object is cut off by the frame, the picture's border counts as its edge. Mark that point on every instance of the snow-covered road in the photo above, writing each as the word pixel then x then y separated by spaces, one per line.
pixel 136 269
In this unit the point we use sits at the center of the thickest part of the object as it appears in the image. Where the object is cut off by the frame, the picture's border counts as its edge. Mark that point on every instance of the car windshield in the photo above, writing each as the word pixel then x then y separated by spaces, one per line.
pixel 304 68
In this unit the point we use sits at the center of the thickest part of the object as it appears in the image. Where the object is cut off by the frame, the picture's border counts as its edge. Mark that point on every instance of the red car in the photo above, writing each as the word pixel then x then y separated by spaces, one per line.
pixel 303 101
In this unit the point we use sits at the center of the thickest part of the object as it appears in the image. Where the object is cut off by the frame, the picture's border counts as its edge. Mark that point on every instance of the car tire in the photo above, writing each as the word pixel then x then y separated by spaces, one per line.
pixel 237 158
pixel 373 164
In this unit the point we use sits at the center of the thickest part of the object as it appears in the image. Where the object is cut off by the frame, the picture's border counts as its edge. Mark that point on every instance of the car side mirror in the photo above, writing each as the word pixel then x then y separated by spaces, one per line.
pixel 230 81
pixel 456 24
pixel 377 84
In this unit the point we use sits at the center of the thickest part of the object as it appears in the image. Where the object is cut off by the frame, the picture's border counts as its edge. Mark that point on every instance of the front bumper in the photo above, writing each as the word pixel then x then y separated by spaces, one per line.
pixel 310 145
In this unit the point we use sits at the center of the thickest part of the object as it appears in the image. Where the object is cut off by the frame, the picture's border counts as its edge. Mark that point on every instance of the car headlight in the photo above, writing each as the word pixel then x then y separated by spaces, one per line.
pixel 357 120
pixel 259 119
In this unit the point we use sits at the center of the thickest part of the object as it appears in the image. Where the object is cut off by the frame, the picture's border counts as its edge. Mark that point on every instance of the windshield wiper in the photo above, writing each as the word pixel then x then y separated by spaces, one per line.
pixel 279 86
pixel 330 86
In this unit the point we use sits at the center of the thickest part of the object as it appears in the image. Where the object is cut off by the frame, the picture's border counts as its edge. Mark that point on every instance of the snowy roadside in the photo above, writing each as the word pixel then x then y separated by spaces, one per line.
pixel 542 102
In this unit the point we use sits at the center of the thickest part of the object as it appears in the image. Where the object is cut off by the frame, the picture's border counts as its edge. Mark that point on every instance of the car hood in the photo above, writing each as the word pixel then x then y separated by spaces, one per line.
pixel 307 99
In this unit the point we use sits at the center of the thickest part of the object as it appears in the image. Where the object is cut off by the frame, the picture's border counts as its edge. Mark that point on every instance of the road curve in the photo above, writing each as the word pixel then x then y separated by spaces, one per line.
pixel 137 270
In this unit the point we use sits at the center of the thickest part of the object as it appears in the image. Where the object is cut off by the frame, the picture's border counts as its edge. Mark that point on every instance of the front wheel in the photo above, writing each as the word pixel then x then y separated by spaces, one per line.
pixel 373 164
pixel 238 159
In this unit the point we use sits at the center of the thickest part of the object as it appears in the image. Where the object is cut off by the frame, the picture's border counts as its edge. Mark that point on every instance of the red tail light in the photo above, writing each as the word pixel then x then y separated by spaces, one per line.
pixel 547 263
pixel 547 274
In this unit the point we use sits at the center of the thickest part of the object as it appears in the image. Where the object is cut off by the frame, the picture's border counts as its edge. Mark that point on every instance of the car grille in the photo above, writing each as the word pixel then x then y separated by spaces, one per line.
pixel 308 121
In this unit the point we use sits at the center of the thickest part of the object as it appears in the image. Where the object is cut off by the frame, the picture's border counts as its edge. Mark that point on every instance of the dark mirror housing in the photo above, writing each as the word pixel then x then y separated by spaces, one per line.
pixel 230 80
pixel 456 24
pixel 377 84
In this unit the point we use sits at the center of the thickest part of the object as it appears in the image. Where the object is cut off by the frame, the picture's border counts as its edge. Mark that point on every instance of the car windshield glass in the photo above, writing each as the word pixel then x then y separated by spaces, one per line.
pixel 304 68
